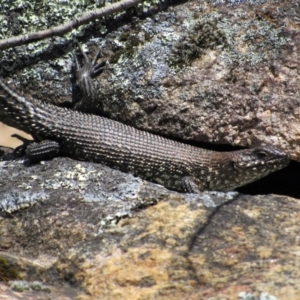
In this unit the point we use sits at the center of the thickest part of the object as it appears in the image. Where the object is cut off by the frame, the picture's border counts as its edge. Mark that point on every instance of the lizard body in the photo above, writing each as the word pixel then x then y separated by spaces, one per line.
pixel 175 165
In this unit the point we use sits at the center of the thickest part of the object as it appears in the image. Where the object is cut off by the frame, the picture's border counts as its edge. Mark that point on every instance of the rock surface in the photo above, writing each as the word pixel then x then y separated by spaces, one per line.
pixel 83 229
pixel 207 71
pixel 203 71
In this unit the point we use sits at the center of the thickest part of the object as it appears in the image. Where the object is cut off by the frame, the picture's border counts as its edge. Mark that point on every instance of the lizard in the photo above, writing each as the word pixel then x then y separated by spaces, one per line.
pixel 83 136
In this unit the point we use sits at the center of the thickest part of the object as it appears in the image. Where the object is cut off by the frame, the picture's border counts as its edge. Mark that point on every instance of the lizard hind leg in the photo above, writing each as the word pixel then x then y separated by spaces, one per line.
pixel 84 79
pixel 36 151
pixel 43 150
pixel 21 150
pixel 91 69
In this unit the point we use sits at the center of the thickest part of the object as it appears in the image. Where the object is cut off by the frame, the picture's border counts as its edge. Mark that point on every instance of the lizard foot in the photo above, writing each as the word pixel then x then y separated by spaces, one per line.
pixel 84 78
pixel 34 151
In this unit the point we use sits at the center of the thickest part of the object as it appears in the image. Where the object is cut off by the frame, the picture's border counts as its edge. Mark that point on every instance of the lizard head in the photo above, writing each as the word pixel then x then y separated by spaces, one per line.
pixel 261 159
pixel 252 164
pixel 238 168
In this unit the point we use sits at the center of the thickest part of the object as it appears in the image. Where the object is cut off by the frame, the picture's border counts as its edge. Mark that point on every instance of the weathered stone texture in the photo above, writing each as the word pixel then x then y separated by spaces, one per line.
pixel 199 71
pixel 104 235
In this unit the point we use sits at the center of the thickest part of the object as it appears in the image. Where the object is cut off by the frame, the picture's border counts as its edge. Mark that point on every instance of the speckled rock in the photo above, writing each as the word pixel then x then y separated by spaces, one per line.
pixel 207 71
pixel 214 71
pixel 76 228
pixel 249 245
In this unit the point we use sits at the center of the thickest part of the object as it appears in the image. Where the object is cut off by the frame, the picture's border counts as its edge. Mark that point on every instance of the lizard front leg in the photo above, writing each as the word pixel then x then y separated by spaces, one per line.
pixel 189 184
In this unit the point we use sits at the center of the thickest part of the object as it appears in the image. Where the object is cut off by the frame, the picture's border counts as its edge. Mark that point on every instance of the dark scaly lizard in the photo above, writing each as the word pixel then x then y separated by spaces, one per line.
pixel 175 165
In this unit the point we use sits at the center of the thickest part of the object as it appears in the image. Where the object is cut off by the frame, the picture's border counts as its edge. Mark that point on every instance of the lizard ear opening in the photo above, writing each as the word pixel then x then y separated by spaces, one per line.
pixel 234 165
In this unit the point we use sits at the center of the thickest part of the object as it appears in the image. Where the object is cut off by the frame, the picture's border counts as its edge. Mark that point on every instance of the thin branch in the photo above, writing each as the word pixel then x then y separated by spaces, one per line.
pixel 64 28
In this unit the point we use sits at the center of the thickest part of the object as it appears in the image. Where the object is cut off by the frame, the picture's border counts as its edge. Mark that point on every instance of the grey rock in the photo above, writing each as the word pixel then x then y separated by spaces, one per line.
pixel 218 72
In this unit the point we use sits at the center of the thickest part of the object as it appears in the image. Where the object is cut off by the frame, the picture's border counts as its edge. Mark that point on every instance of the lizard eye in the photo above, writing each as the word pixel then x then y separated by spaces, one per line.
pixel 261 154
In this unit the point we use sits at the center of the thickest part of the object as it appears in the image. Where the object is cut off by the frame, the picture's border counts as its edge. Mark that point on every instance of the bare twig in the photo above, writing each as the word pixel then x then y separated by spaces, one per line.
pixel 64 28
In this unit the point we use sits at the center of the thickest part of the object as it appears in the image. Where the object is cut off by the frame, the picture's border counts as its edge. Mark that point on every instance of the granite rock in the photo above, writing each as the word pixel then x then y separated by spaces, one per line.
pixel 81 229
pixel 221 72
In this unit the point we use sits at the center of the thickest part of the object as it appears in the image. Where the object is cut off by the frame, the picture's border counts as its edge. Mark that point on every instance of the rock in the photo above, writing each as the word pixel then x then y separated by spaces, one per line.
pixel 105 234
pixel 177 250
pixel 210 72
pixel 203 71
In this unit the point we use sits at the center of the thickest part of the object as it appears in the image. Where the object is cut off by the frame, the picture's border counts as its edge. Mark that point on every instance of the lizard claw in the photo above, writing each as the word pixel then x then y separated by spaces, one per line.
pixel 91 69
pixel 84 78
pixel 21 150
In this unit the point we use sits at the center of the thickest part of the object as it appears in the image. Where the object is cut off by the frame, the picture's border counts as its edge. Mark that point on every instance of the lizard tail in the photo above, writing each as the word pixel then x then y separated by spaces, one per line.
pixel 14 110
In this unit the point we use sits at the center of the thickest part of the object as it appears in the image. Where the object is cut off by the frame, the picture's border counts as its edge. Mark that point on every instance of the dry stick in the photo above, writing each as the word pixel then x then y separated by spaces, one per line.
pixel 62 29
